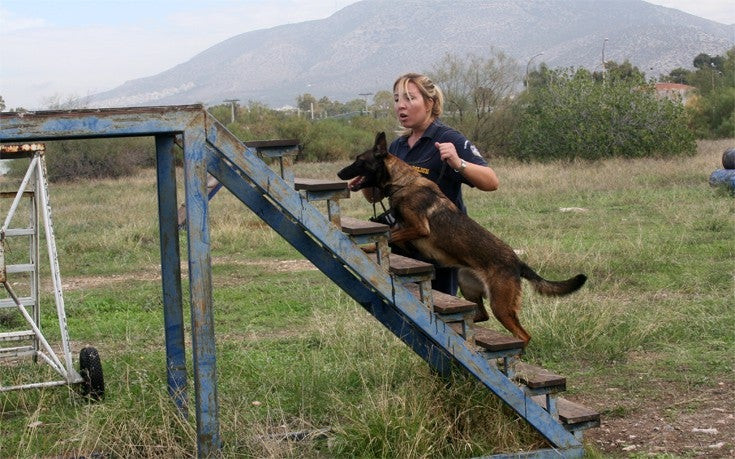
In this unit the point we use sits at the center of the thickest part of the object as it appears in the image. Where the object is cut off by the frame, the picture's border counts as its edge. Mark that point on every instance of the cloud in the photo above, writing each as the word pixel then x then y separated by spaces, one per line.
pixel 13 23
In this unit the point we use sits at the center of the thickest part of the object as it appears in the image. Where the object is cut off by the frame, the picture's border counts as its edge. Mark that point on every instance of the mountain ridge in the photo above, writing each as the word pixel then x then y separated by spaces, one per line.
pixel 364 46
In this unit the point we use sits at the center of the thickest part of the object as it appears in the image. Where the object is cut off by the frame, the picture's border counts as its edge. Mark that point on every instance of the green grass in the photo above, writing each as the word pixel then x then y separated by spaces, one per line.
pixel 295 353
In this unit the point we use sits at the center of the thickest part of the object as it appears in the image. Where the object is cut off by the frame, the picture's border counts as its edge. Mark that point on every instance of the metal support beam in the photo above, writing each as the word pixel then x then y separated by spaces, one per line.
pixel 173 313
pixel 200 284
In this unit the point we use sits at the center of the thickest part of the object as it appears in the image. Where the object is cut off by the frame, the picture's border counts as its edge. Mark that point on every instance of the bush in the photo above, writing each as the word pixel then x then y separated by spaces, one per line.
pixel 70 160
pixel 574 116
pixel 331 140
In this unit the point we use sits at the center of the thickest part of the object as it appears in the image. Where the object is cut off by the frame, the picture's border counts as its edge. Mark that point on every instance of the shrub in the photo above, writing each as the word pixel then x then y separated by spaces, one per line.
pixel 574 116
pixel 70 160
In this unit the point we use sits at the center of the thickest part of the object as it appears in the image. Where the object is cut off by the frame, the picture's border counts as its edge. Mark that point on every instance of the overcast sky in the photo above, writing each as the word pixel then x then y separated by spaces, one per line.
pixel 56 50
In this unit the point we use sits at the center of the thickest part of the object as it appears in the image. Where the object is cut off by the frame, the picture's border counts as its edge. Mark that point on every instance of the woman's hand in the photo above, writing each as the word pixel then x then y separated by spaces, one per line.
pixel 481 177
pixel 448 154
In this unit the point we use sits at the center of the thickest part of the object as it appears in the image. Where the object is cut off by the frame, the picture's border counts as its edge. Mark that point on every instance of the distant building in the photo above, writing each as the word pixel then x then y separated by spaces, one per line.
pixel 675 91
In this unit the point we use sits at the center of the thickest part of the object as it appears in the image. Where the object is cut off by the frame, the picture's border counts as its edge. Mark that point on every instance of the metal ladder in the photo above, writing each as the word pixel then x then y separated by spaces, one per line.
pixel 34 189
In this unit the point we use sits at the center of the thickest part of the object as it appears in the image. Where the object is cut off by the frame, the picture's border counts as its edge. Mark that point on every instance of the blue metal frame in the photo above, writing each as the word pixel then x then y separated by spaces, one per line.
pixel 210 148
pixel 171 272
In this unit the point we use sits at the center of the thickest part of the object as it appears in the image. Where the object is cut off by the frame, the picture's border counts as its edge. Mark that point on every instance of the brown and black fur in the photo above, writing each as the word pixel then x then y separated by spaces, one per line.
pixel 435 227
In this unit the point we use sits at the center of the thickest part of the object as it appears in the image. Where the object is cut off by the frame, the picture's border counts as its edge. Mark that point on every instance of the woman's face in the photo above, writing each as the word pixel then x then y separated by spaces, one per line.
pixel 411 109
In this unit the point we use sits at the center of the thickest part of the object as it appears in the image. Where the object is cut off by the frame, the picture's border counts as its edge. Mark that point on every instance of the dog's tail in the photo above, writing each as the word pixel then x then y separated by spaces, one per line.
pixel 552 288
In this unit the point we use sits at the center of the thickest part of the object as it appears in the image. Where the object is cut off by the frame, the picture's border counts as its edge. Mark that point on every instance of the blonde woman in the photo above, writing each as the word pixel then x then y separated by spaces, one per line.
pixel 436 151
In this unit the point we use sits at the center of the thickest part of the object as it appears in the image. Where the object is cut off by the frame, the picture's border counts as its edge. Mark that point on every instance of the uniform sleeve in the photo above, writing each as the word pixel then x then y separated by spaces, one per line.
pixel 469 152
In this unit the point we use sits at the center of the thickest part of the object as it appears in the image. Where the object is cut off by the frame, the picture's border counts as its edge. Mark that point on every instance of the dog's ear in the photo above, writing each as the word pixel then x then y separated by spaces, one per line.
pixel 380 148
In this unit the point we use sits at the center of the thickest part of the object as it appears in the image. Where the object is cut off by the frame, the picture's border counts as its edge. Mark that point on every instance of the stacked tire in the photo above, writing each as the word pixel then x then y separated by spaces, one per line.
pixel 725 177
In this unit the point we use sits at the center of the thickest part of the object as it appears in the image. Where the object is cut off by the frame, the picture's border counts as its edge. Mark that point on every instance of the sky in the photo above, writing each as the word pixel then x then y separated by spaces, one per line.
pixel 53 51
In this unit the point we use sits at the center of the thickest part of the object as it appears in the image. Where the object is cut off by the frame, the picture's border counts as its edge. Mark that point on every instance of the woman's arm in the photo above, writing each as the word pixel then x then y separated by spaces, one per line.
pixel 481 177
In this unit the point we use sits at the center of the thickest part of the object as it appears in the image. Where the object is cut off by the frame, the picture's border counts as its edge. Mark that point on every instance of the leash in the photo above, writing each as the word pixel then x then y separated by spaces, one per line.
pixel 441 172
pixel 386 217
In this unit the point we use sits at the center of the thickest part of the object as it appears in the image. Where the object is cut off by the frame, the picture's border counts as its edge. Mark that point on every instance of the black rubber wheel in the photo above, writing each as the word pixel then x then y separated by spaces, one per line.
pixel 90 368
pixel 728 158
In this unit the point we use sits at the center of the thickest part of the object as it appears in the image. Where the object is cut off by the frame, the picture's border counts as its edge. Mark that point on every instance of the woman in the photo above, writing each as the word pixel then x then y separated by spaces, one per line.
pixel 436 151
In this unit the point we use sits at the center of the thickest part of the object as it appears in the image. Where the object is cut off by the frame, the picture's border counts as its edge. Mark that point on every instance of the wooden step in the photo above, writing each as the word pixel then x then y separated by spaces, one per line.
pixel 446 304
pixel 307 184
pixel 405 266
pixel 537 378
pixel 357 227
pixel 274 148
pixel 573 415
pixel 496 341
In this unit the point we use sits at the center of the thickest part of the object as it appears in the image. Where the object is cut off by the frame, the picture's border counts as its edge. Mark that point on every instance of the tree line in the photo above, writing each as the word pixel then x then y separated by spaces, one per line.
pixel 559 114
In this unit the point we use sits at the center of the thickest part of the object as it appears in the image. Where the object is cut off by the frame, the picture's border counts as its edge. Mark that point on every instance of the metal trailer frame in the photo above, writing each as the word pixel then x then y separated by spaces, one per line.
pixel 210 148
pixel 40 213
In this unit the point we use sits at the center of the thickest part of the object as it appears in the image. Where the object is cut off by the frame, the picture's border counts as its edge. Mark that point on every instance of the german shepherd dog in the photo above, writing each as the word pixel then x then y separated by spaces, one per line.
pixel 435 227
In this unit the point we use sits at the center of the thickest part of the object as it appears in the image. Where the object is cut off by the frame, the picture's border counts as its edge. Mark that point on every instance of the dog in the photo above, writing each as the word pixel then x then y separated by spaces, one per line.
pixel 431 223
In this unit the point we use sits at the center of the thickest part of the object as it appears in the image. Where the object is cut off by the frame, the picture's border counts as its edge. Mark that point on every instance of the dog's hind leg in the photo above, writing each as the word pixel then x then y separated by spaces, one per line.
pixel 505 302
pixel 473 290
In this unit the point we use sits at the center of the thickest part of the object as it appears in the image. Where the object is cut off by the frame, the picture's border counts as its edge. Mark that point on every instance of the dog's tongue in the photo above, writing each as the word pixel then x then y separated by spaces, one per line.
pixel 355 184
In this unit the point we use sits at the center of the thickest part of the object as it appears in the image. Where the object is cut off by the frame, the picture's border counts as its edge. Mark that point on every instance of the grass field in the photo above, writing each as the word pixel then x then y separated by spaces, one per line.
pixel 649 341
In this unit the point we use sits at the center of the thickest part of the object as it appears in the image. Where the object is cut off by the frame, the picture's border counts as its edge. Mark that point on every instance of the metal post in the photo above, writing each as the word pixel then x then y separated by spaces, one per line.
pixel 54 264
pixel 200 281
pixel 173 314
pixel 603 59
pixel 528 83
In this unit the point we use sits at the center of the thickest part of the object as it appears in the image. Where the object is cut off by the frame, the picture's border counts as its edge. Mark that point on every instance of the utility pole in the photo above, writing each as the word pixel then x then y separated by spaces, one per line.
pixel 365 95
pixel 527 83
pixel 232 103
pixel 603 60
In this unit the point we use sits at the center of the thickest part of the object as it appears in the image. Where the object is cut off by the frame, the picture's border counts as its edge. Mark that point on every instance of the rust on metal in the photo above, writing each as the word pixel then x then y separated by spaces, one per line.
pixel 15 148
pixel 20 150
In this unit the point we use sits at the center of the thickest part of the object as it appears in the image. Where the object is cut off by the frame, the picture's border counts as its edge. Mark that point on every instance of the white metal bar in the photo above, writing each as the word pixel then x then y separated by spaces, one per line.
pixel 20 268
pixel 25 301
pixel 56 363
pixel 34 256
pixel 19 195
pixel 33 386
pixel 16 351
pixel 54 263
pixel 71 376
pixel 11 232
pixel 16 336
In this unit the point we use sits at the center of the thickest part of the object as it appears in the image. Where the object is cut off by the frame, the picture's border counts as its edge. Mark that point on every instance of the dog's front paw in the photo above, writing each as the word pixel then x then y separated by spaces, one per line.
pixel 370 248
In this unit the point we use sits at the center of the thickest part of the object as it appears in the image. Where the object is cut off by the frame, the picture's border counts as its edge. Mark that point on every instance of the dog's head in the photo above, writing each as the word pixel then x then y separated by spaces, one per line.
pixel 369 167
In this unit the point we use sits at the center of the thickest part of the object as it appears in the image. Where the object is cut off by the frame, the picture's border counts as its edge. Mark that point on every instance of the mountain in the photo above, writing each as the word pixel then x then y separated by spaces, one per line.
pixel 363 47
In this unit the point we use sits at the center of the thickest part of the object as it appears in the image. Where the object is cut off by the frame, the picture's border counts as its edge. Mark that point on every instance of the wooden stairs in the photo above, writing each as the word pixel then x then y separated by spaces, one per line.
pixel 500 349
pixel 395 290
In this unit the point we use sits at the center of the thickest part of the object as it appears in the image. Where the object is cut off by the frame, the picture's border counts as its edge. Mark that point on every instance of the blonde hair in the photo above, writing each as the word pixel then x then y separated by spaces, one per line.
pixel 429 91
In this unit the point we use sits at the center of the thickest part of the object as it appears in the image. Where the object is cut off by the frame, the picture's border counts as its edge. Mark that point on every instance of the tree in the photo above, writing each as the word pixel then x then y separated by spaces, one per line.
pixel 625 72
pixel 714 112
pixel 678 75
pixel 382 103
pixel 705 61
pixel 478 92
pixel 2 104
pixel 307 103
pixel 538 78
pixel 576 116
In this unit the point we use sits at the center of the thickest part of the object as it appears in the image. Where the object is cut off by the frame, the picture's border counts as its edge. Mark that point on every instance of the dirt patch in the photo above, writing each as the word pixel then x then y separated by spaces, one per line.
pixel 667 419
pixel 154 273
